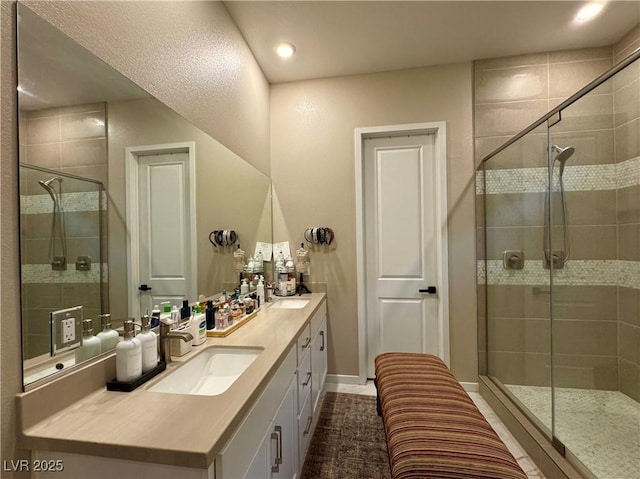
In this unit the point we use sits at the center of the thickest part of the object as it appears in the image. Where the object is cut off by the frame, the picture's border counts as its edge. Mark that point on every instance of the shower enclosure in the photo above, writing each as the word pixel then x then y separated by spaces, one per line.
pixel 63 253
pixel 559 274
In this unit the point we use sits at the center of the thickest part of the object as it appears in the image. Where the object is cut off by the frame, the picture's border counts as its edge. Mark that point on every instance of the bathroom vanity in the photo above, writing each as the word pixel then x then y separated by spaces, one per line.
pixel 259 426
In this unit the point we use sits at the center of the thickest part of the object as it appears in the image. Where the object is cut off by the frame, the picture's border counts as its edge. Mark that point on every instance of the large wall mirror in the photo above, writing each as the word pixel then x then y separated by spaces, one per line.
pixel 117 191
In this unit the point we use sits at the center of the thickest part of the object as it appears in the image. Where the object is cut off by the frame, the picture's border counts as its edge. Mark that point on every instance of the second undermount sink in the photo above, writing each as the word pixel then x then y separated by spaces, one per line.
pixel 290 303
pixel 208 373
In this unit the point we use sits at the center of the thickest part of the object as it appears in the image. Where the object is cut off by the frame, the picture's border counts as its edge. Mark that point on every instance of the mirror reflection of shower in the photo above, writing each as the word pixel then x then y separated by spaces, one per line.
pixel 558 256
pixel 58 238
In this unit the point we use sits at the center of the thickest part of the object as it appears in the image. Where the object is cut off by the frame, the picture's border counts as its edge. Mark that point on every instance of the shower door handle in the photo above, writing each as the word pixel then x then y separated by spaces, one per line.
pixel 144 287
pixel 428 290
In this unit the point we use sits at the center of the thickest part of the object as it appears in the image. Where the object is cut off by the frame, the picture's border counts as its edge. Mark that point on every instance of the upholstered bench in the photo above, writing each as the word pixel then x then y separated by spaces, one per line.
pixel 433 429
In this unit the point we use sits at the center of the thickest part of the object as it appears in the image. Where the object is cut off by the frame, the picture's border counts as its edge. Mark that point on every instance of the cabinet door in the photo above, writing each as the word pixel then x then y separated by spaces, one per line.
pixel 318 363
pixel 260 464
pixel 284 444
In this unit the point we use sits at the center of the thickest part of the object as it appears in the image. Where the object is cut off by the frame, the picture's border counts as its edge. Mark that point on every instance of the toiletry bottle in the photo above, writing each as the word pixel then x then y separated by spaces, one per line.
pixel 108 337
pixel 149 343
pixel 221 318
pixel 210 316
pixel 185 311
pixel 244 287
pixel 199 326
pixel 128 356
pixel 175 317
pixel 155 316
pixel 91 345
pixel 260 291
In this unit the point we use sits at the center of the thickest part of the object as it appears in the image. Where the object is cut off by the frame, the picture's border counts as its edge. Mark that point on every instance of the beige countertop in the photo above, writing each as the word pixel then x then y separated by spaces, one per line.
pixel 174 429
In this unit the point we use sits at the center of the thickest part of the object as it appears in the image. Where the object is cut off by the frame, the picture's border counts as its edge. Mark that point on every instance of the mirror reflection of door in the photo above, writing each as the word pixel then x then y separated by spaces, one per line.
pixel 162 252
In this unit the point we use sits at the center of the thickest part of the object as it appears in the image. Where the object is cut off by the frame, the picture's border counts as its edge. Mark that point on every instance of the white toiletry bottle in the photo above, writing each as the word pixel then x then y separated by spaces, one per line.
pixel 128 356
pixel 108 337
pixel 198 326
pixel 244 287
pixel 175 317
pixel 149 342
pixel 260 291
pixel 91 345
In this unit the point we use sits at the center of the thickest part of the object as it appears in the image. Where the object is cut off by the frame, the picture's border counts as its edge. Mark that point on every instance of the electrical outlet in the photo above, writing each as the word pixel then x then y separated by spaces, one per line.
pixel 68 330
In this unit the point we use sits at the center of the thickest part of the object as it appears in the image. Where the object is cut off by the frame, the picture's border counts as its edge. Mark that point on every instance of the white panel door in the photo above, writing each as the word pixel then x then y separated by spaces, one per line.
pixel 401 245
pixel 164 214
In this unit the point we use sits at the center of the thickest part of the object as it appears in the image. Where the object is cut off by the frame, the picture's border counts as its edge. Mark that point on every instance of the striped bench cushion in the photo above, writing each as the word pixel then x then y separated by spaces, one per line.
pixel 433 428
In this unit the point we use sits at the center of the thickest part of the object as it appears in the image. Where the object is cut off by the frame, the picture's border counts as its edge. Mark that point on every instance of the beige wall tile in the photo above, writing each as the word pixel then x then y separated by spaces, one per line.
pixel 519 335
pixel 629 305
pixel 520 368
pixel 627 42
pixel 586 372
pixel 627 103
pixel 502 119
pixel 512 84
pixel 628 200
pixel 630 379
pixel 87 294
pixel 591 112
pixel 515 209
pixel 35 251
pixel 589 338
pixel 82 126
pixel 630 343
pixel 624 77
pixel 36 226
pixel 514 61
pixel 593 147
pixel 592 242
pixel 591 207
pixel 527 239
pixel 629 242
pixel 584 54
pixel 83 247
pixel 43 130
pixel 528 152
pixel 44 295
pixel 83 152
pixel 37 321
pixel 565 79
pixel 98 173
pixel 82 224
pixel 627 140
pixel 46 155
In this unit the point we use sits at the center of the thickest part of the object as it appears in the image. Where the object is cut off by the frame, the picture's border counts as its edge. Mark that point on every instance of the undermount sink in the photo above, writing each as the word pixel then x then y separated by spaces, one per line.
pixel 290 303
pixel 208 373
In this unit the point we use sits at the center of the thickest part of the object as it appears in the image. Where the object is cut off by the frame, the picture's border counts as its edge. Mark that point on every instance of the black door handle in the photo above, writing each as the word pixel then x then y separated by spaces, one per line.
pixel 144 287
pixel 428 290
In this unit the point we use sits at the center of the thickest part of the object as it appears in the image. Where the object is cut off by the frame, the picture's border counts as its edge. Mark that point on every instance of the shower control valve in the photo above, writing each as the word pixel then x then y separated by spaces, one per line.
pixel 513 259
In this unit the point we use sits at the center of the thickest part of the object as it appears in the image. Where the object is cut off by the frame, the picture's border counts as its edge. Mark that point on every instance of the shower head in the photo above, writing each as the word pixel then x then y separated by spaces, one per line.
pixel 562 155
pixel 47 186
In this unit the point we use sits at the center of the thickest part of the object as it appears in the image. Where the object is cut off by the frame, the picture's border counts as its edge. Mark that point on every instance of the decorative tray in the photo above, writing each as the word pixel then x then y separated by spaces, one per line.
pixel 237 323
pixel 127 387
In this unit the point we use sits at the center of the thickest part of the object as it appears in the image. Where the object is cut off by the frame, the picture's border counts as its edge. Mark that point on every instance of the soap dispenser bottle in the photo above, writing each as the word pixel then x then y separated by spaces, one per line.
pixel 149 343
pixel 108 337
pixel 128 356
pixel 91 345
pixel 244 287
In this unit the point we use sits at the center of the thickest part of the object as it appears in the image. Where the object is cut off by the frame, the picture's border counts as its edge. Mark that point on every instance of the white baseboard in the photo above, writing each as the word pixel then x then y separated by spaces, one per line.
pixel 470 387
pixel 344 379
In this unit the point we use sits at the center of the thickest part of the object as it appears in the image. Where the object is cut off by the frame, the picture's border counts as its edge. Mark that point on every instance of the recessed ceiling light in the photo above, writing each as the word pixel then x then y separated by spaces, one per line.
pixel 589 11
pixel 285 49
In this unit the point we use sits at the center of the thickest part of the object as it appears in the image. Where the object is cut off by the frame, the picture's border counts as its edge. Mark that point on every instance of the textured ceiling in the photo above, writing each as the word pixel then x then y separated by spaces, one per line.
pixel 344 38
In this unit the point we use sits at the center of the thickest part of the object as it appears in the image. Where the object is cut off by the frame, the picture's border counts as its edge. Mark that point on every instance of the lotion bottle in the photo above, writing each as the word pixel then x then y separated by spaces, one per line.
pixel 149 343
pixel 198 326
pixel 108 337
pixel 91 345
pixel 261 292
pixel 175 317
pixel 128 356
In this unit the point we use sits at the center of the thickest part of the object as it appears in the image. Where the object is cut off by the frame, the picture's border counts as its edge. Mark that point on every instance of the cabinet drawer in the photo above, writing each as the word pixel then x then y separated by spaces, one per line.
pixel 305 424
pixel 304 380
pixel 304 343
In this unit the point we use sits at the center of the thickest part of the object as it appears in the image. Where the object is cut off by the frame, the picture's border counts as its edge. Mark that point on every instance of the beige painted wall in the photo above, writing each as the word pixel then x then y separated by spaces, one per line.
pixel 313 173
pixel 189 55
pixel 154 44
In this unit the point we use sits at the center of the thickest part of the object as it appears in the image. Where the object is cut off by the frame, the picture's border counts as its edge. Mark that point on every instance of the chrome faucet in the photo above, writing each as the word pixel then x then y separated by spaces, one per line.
pixel 166 333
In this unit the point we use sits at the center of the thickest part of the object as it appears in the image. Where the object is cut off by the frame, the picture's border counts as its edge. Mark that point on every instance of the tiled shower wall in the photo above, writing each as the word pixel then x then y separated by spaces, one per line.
pixel 511 93
pixel 70 140
pixel 626 95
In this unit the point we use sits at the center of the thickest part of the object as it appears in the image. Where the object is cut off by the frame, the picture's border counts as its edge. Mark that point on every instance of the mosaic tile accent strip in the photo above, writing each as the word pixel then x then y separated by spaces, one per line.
pixel 42 273
pixel 575 273
pixel 71 202
pixel 575 178
pixel 601 428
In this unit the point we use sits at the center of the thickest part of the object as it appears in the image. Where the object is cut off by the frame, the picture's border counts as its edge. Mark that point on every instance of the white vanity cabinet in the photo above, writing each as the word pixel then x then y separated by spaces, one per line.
pixel 265 445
